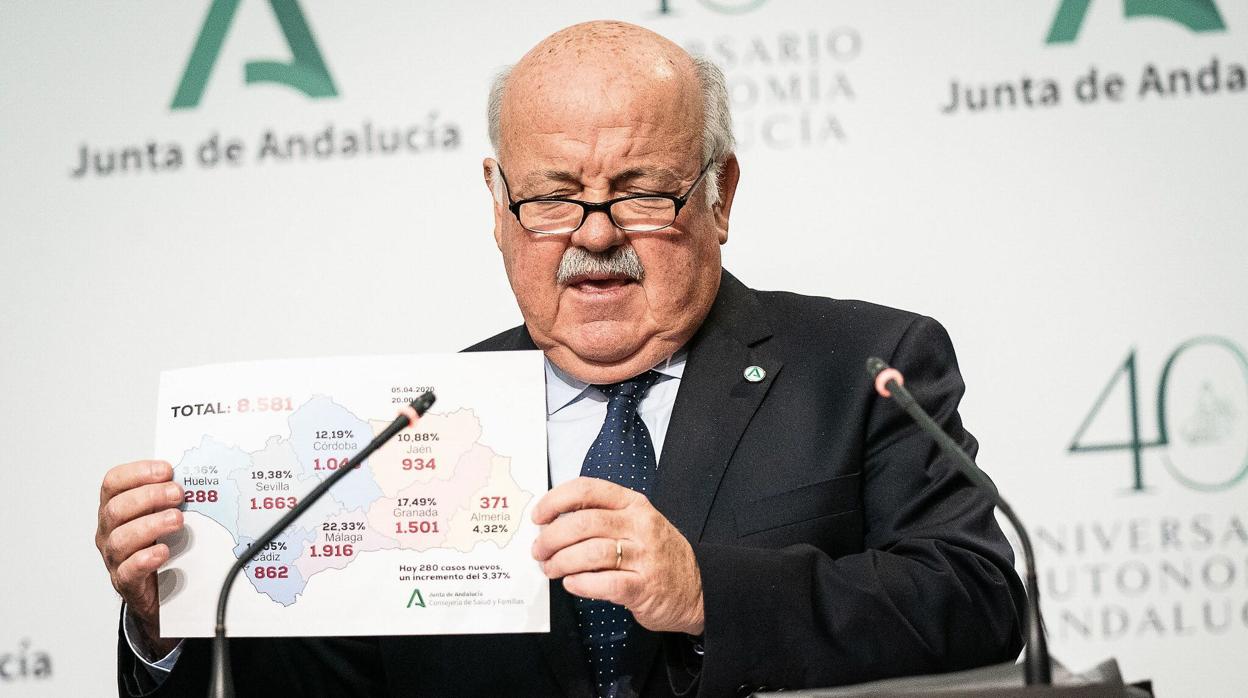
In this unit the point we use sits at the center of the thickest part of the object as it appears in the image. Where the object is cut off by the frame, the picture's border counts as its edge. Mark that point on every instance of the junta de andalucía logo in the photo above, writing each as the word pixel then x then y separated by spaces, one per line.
pixel 306 72
pixel 1197 15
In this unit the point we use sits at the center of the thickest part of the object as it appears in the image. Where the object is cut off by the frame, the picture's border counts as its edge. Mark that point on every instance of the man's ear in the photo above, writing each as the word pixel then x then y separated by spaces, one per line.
pixel 489 170
pixel 729 174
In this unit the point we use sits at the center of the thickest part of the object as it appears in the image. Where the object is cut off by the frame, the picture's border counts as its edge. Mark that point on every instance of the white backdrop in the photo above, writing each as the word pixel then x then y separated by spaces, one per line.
pixel 1055 241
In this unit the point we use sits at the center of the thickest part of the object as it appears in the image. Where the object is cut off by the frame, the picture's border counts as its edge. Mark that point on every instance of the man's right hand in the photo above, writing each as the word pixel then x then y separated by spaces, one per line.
pixel 138 504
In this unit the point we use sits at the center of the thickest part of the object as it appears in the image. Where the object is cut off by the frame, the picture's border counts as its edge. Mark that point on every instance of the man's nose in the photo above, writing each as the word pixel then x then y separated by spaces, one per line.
pixel 598 233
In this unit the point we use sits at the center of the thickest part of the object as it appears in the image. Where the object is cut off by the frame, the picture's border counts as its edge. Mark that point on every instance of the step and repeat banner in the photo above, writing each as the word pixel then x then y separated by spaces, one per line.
pixel 1060 182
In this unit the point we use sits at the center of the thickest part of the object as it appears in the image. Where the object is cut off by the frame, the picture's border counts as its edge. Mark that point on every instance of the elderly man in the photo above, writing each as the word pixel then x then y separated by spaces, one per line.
pixel 768 523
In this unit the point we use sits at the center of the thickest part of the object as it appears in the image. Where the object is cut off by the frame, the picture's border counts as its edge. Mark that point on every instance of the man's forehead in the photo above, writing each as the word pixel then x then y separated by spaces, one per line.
pixel 629 141
pixel 583 111
pixel 657 174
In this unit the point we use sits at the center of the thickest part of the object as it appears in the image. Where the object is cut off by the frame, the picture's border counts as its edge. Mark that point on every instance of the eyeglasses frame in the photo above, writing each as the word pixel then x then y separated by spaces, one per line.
pixel 588 207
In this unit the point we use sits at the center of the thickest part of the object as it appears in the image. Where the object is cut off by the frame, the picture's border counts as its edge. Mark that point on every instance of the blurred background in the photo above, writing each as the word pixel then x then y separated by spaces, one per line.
pixel 1060 182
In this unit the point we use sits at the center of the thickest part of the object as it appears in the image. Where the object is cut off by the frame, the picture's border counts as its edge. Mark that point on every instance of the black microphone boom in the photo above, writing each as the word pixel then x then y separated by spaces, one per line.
pixel 1037 668
pixel 222 684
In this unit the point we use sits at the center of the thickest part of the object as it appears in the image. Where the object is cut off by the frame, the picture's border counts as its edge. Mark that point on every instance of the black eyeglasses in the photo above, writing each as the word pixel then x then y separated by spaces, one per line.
pixel 635 213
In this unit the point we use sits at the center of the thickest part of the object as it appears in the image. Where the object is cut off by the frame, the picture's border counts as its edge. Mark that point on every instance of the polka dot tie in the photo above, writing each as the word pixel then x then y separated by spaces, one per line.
pixel 622 454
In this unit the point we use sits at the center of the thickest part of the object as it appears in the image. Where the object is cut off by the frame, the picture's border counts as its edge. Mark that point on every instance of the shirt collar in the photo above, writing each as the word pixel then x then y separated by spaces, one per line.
pixel 563 390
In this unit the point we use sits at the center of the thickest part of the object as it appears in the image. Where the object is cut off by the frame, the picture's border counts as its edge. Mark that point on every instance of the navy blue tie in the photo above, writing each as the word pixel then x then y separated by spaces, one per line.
pixel 622 454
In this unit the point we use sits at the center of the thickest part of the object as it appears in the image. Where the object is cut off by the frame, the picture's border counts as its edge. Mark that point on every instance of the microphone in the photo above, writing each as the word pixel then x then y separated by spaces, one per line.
pixel 221 684
pixel 889 383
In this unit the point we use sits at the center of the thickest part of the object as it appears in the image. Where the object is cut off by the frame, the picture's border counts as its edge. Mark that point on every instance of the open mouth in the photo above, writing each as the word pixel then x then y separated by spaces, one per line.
pixel 598 283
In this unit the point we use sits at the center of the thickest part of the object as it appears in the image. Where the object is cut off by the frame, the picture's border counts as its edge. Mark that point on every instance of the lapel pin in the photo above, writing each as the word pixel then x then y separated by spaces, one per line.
pixel 755 374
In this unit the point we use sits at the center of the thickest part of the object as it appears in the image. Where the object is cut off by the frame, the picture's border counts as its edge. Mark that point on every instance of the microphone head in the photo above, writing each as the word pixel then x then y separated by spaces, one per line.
pixel 882 374
pixel 422 403
pixel 874 365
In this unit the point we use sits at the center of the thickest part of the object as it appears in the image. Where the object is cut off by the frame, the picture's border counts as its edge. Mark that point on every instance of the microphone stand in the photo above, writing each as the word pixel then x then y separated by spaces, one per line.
pixel 221 683
pixel 889 383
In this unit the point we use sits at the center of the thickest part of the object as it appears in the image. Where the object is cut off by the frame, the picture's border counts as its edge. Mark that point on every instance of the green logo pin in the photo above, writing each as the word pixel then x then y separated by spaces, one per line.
pixel 755 374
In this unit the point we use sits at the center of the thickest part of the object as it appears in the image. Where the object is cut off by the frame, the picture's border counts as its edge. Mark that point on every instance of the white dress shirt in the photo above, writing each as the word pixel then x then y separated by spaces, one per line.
pixel 575 412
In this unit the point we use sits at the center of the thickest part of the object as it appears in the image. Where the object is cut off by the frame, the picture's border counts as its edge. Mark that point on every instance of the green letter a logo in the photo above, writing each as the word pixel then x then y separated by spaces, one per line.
pixel 306 73
pixel 1197 15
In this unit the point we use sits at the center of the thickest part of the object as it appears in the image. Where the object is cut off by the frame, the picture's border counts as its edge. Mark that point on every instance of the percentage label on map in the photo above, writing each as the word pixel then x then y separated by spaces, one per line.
pixel 417 436
pixel 334 434
pixel 272 474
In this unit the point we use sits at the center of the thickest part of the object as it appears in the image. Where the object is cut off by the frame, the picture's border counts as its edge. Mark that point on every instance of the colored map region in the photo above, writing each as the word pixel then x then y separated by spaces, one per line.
pixel 433 486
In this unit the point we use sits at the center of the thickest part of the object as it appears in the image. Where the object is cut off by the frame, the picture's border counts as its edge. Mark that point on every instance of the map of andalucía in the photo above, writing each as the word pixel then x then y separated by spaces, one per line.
pixel 434 486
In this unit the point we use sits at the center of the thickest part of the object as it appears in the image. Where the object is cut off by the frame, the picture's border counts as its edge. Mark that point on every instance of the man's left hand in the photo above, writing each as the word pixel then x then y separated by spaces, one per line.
pixel 657 577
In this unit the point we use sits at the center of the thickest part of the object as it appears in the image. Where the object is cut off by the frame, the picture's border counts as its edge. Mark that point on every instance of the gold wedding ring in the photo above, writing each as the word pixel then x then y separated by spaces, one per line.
pixel 619 553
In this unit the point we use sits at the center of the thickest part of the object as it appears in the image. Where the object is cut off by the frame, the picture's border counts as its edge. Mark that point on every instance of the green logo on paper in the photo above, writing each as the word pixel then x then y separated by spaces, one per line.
pixel 416 599
pixel 1197 15
pixel 306 71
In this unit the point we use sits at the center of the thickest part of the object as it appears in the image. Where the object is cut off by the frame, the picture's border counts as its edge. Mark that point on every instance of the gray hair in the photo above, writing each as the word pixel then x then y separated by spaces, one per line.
pixel 717 139
pixel 621 260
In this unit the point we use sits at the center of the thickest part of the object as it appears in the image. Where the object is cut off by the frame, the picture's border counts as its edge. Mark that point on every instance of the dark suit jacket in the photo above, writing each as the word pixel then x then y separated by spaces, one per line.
pixel 836 543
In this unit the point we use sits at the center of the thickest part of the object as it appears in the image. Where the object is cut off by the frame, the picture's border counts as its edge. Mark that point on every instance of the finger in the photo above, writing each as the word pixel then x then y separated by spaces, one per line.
pixel 594 555
pixel 576 527
pixel 130 475
pixel 131 537
pixel 581 493
pixel 133 503
pixel 134 571
pixel 617 586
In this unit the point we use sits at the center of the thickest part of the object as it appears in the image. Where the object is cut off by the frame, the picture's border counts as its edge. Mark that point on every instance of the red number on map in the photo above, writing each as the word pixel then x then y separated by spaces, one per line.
pixel 265 404
pixel 329 463
pixel 269 572
pixel 416 527
pixel 420 464
pixel 331 550
pixel 274 502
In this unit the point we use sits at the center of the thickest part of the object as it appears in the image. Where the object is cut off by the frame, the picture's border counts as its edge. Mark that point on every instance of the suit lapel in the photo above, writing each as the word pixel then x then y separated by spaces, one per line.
pixel 713 407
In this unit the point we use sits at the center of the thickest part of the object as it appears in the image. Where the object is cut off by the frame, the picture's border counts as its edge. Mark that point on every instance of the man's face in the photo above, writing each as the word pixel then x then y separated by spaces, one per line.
pixel 593 136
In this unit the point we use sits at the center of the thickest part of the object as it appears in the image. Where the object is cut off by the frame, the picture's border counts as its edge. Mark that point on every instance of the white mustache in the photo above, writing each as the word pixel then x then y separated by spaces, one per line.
pixel 618 261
